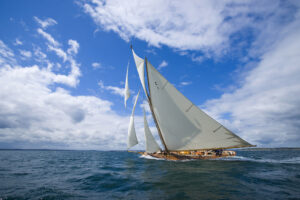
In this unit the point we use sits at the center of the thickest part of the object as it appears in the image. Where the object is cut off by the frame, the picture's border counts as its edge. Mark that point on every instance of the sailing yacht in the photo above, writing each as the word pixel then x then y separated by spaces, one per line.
pixel 185 131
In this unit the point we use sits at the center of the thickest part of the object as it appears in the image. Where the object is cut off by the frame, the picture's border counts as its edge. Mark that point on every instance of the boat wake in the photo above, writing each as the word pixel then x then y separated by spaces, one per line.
pixel 154 158
pixel 295 160
pixel 150 157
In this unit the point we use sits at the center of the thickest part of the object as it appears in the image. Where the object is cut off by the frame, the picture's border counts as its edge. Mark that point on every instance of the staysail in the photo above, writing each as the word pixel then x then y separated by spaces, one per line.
pixel 151 144
pixel 183 125
pixel 132 139
pixel 126 90
pixel 139 62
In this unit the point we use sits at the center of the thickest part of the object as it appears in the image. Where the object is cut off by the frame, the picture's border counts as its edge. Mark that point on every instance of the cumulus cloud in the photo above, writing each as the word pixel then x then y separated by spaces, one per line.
pixel 265 109
pixel 36 113
pixel 45 23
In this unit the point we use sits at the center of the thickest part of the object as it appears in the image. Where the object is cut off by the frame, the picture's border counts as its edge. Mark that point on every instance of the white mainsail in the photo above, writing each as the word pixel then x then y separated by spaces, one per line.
pixel 132 139
pixel 139 62
pixel 126 90
pixel 151 144
pixel 183 125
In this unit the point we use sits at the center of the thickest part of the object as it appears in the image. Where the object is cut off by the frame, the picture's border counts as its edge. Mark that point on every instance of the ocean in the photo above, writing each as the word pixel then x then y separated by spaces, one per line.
pixel 51 174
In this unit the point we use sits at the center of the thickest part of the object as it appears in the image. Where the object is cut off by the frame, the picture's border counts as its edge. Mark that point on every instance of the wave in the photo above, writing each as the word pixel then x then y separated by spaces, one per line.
pixel 294 160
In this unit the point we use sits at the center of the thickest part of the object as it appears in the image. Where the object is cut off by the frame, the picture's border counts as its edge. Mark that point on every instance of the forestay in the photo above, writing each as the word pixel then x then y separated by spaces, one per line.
pixel 151 144
pixel 132 139
pixel 183 125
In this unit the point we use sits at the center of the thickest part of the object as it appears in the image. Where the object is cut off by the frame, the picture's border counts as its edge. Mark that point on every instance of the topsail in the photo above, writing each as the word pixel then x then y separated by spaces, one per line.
pixel 139 62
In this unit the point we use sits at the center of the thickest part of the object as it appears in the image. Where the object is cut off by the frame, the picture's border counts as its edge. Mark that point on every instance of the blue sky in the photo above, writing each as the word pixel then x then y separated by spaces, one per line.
pixel 63 65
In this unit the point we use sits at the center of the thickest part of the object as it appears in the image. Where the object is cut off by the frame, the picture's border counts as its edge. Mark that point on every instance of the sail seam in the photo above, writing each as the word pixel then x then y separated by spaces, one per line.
pixel 189 108
pixel 163 87
pixel 217 129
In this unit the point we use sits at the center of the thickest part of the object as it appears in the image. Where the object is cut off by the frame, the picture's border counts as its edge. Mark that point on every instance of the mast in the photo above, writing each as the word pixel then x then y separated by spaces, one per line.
pixel 152 112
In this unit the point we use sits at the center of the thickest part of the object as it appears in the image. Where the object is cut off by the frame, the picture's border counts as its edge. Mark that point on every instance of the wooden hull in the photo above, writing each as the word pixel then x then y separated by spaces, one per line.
pixel 204 155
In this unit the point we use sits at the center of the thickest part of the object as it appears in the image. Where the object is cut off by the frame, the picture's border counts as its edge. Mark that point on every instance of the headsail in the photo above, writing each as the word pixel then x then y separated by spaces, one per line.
pixel 126 90
pixel 132 139
pixel 151 144
pixel 183 125
pixel 139 62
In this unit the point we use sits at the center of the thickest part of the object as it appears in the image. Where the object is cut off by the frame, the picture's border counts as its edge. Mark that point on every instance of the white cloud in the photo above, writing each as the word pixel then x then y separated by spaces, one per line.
pixel 265 109
pixel 72 79
pixel 25 54
pixel 185 83
pixel 7 56
pixel 48 37
pixel 162 65
pixel 35 113
pixel 40 56
pixel 45 23
pixel 113 89
pixel 18 42
pixel 208 26
pixel 198 59
pixel 74 46
pixel 59 52
pixel 96 65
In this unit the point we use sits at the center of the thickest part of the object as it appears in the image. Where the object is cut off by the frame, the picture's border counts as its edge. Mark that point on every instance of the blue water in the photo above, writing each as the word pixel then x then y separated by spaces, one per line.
pixel 42 174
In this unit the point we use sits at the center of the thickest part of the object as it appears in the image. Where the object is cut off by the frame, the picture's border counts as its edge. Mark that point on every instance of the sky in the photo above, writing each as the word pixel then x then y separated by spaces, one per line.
pixel 63 67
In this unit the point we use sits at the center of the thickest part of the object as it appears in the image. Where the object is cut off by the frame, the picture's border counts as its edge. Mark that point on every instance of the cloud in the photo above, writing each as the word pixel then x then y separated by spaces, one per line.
pixel 113 89
pixel 48 37
pixel 162 65
pixel 45 23
pixel 208 26
pixel 7 56
pixel 185 83
pixel 36 113
pixel 265 109
pixel 74 46
pixel 72 79
pixel 18 42
pixel 25 54
pixel 96 65
pixel 59 52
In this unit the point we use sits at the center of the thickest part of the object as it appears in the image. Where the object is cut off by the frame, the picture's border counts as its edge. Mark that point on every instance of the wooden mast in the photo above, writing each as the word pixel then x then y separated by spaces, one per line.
pixel 152 111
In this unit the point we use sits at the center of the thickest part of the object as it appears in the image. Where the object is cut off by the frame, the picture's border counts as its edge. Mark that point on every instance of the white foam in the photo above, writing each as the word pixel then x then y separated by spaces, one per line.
pixel 150 157
pixel 154 158
pixel 295 160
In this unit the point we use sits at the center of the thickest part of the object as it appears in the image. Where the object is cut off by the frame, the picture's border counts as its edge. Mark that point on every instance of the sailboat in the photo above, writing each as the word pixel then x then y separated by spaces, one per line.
pixel 185 131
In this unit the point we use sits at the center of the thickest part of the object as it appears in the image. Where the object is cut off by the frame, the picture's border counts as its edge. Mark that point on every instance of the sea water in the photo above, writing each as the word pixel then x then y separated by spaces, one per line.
pixel 44 174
